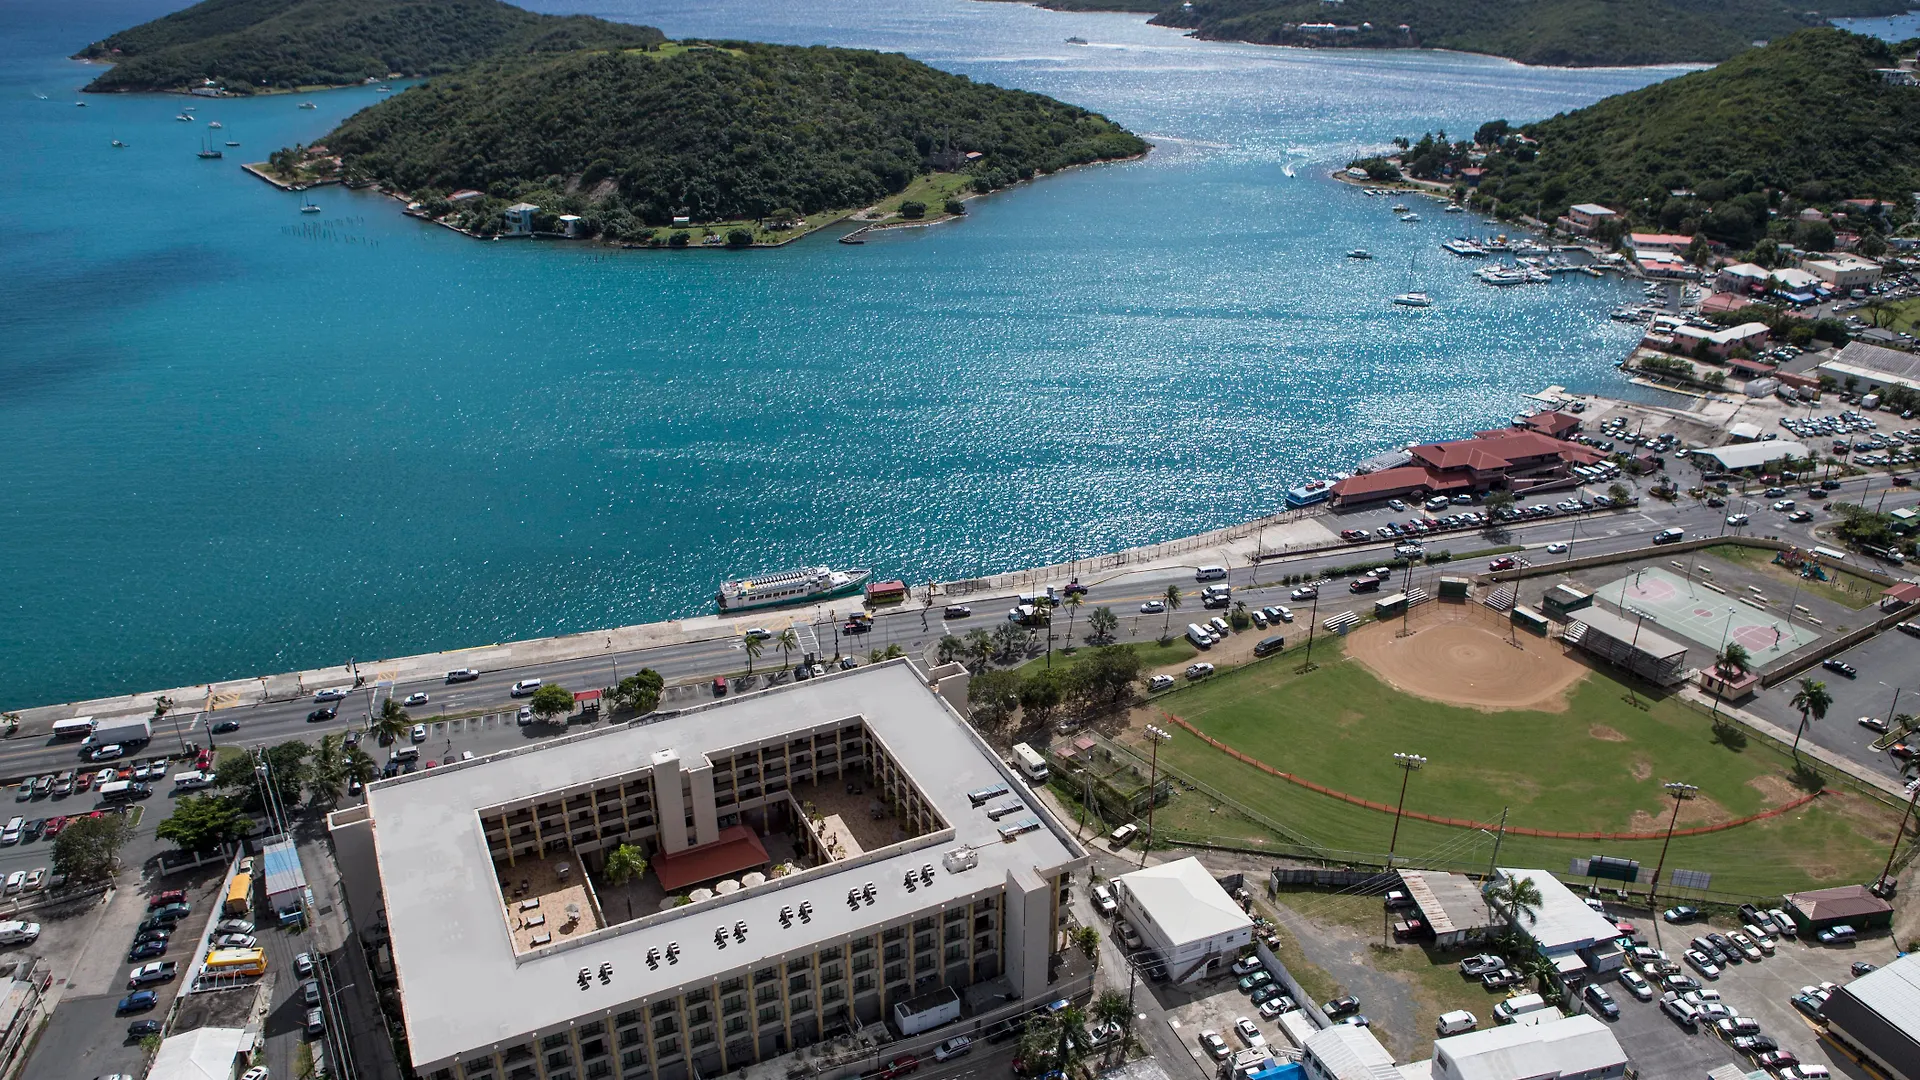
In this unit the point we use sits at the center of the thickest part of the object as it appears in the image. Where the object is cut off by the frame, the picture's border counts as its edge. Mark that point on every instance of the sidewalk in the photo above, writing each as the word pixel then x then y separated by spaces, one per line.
pixel 1785 738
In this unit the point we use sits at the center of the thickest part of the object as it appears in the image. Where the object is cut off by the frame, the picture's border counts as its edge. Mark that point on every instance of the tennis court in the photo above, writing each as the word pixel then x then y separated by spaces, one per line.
pixel 1697 611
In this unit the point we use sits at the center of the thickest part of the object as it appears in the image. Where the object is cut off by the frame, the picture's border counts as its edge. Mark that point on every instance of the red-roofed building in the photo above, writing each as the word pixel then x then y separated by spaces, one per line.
pixel 1641 241
pixel 1473 174
pixel 1559 425
pixel 1506 457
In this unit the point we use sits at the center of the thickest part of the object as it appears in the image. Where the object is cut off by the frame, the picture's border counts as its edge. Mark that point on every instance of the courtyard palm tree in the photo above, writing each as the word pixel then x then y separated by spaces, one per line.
pixel 979 646
pixel 1051 1037
pixel 626 863
pixel 788 641
pixel 1087 940
pixel 1103 622
pixel 1516 896
pixel 1173 604
pixel 1111 1008
pixel 950 649
pixel 1812 701
pixel 754 646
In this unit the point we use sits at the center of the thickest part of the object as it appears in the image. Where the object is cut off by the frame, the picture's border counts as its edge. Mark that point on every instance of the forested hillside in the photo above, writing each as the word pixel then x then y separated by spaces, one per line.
pixel 1558 32
pixel 634 138
pixel 256 44
pixel 1805 121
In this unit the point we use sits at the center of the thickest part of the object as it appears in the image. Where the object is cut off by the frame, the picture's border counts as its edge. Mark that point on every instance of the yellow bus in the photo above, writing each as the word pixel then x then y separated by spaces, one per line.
pixel 237 962
pixel 240 894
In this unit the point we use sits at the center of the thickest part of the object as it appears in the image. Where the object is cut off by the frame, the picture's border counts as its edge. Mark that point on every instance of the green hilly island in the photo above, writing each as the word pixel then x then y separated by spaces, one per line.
pixel 1728 151
pixel 1581 33
pixel 630 139
pixel 252 45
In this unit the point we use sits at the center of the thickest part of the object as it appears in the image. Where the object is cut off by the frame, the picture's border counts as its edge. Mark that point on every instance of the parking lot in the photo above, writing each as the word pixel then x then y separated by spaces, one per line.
pixel 1882 661
pixel 1215 1005
pixel 1661 1047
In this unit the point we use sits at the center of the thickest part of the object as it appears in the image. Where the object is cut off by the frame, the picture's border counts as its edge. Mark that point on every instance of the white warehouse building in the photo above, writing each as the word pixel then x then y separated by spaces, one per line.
pixel 1184 917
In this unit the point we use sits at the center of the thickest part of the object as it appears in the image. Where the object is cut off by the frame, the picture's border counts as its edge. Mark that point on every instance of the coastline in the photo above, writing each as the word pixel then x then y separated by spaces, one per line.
pixel 1285 533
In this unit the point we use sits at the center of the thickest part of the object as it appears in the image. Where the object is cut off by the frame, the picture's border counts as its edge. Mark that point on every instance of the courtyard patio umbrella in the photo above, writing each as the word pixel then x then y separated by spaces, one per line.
pixel 752 879
pixel 726 887
pixel 698 895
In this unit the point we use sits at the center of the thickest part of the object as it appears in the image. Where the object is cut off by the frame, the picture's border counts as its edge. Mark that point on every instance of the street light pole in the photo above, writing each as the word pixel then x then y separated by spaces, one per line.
pixel 1897 834
pixel 1156 736
pixel 1407 763
pixel 1724 634
pixel 1679 793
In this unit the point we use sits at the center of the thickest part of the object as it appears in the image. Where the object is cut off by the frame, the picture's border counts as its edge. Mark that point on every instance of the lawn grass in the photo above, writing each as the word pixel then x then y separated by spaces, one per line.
pixel 1847 590
pixel 1598 766
pixel 1152 654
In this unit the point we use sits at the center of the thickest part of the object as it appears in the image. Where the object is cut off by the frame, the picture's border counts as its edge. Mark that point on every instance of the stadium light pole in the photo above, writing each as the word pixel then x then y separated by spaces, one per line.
pixel 1156 736
pixel 1633 648
pixel 1407 764
pixel 1679 793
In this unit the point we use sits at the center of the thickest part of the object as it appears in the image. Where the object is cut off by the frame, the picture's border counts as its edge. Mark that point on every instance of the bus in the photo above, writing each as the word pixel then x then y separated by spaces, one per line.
pixel 240 894
pixel 1031 764
pixel 77 728
pixel 237 962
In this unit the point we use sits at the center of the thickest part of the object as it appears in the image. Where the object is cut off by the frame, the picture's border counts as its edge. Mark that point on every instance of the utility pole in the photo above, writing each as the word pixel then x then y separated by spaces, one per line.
pixel 1313 621
pixel 1883 883
pixel 1679 793
pixel 1494 863
pixel 1156 736
pixel 1724 634
pixel 1633 649
pixel 1407 764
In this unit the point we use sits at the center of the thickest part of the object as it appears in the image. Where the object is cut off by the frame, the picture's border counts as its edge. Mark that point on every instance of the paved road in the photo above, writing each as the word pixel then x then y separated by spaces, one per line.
pixel 916 630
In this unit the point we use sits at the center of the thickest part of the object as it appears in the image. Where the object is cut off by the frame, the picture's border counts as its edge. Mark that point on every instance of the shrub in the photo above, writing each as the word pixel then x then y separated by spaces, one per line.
pixel 912 210
pixel 739 238
pixel 956 207
pixel 679 239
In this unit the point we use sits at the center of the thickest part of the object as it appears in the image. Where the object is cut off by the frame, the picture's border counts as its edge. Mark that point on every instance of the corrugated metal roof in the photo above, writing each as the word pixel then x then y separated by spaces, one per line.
pixel 282 863
pixel 1893 992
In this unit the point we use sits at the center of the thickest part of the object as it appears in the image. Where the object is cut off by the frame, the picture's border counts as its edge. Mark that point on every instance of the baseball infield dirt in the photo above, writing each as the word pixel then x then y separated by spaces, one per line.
pixel 1467 661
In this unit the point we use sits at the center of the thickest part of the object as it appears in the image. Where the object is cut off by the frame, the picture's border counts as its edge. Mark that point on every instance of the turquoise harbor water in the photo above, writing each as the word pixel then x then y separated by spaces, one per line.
pixel 238 439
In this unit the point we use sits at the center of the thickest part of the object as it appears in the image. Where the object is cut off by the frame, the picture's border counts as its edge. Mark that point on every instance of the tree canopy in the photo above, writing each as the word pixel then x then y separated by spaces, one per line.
pixel 88 849
pixel 1559 32
pixel 717 132
pixel 248 45
pixel 1732 152
pixel 204 822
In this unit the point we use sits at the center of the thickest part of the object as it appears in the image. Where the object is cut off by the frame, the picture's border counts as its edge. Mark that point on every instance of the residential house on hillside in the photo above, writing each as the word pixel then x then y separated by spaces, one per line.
pixel 1582 218
pixel 1844 272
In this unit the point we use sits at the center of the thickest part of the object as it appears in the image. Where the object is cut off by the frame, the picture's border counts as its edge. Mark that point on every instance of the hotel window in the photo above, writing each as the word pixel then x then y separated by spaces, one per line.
pixel 798 984
pixel 588 1031
pixel 766 994
pixel 633 1059
pixel 559 1059
pixel 599 1069
pixel 524 1072
pixel 699 1014
pixel 703 1037
pixel 766 973
pixel 801 1003
pixel 665 1025
pixel 666 1047
pixel 521 1052
pixel 830 954
pixel 733 985
pixel 832 994
pixel 862 983
pixel 563 1074
pixel 630 1037
pixel 735 1003
pixel 862 943
pixel 553 1042
pixel 830 973
pixel 592 1048
pixel 442 1074
pixel 956 914
pixel 663 1008
pixel 956 952
pixel 736 1025
pixel 923 924
pixel 479 1066
pixel 695 997
pixel 769 1015
pixel 631 1016
pixel 896 972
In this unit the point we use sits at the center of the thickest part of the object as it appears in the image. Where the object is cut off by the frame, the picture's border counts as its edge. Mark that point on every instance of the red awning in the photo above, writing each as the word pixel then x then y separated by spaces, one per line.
pixel 737 850
pixel 586 695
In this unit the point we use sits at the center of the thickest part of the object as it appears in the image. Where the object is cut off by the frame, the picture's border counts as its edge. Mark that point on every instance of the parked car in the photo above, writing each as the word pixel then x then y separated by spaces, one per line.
pixel 1104 902
pixel 1341 1006
pixel 317 1024
pixel 151 974
pixel 1255 980
pixel 138 1001
pixel 1246 965
pixel 1841 667
pixel 1681 913
pixel 1479 964
pixel 139 1029
pixel 1861 967
pixel 1199 671
pixel 1215 1046
pixel 1159 682
pixel 465 674
pixel 303 964
pixel 1600 1001
pixel 1838 935
pixel 1636 984
pixel 1501 979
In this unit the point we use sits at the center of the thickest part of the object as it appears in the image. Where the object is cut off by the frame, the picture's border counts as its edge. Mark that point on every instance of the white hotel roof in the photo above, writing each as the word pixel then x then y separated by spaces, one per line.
pixel 1185 902
pixel 463 986
pixel 1576 1046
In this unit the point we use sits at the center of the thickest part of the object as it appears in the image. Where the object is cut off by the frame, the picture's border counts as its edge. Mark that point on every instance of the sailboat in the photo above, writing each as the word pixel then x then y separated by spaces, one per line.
pixel 213 123
pixel 232 142
pixel 1412 297
pixel 308 105
pixel 118 145
pixel 208 150
pixel 308 206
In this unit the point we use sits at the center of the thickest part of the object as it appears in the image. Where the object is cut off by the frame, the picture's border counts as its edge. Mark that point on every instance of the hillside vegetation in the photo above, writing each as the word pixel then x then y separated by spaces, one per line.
pixel 281 44
pixel 1558 32
pixel 1733 151
pixel 630 139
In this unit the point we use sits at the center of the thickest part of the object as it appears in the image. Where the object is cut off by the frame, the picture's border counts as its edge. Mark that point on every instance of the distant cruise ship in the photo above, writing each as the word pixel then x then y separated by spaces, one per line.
pixel 801 586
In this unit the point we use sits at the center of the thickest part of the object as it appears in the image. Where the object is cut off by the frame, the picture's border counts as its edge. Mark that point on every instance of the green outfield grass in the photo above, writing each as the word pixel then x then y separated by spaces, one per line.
pixel 1598 766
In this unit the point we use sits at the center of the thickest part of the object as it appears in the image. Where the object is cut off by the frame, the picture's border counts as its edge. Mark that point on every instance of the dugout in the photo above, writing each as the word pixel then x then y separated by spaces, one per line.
pixel 1562 599
pixel 1528 619
pixel 1453 588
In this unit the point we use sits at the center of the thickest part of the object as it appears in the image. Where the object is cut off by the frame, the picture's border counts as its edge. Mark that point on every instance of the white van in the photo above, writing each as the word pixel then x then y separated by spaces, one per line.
pixel 15 932
pixel 1455 1022
pixel 1123 834
pixel 1506 1011
pixel 12 833
pixel 525 687
pixel 1198 635
pixel 1210 573
pixel 188 781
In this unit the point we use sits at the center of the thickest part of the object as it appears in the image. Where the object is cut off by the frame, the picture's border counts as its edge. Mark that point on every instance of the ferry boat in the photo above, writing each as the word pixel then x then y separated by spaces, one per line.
pixel 1413 299
pixel 1076 41
pixel 1359 253
pixel 801 586
pixel 1309 494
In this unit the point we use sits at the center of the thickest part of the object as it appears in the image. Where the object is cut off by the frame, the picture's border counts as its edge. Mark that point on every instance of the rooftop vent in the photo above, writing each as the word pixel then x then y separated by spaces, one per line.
pixel 606 974
pixel 653 958
pixel 926 874
pixel 869 892
pixel 740 930
pixel 673 952
pixel 586 978
pixel 963 858
pixel 806 911
pixel 853 899
pixel 720 936
pixel 786 915
pixel 908 880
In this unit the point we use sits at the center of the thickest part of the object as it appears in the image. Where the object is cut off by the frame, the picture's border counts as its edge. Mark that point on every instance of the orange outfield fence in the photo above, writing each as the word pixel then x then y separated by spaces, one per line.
pixel 1468 823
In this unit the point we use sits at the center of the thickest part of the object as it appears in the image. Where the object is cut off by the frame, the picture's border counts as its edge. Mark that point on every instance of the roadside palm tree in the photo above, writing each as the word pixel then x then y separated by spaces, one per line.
pixel 1073 608
pixel 788 641
pixel 754 646
pixel 1103 623
pixel 626 863
pixel 950 649
pixel 1516 897
pixel 1812 701
pixel 392 723
pixel 1735 658
pixel 979 646
pixel 11 720
pixel 327 771
pixel 894 652
pixel 1173 605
